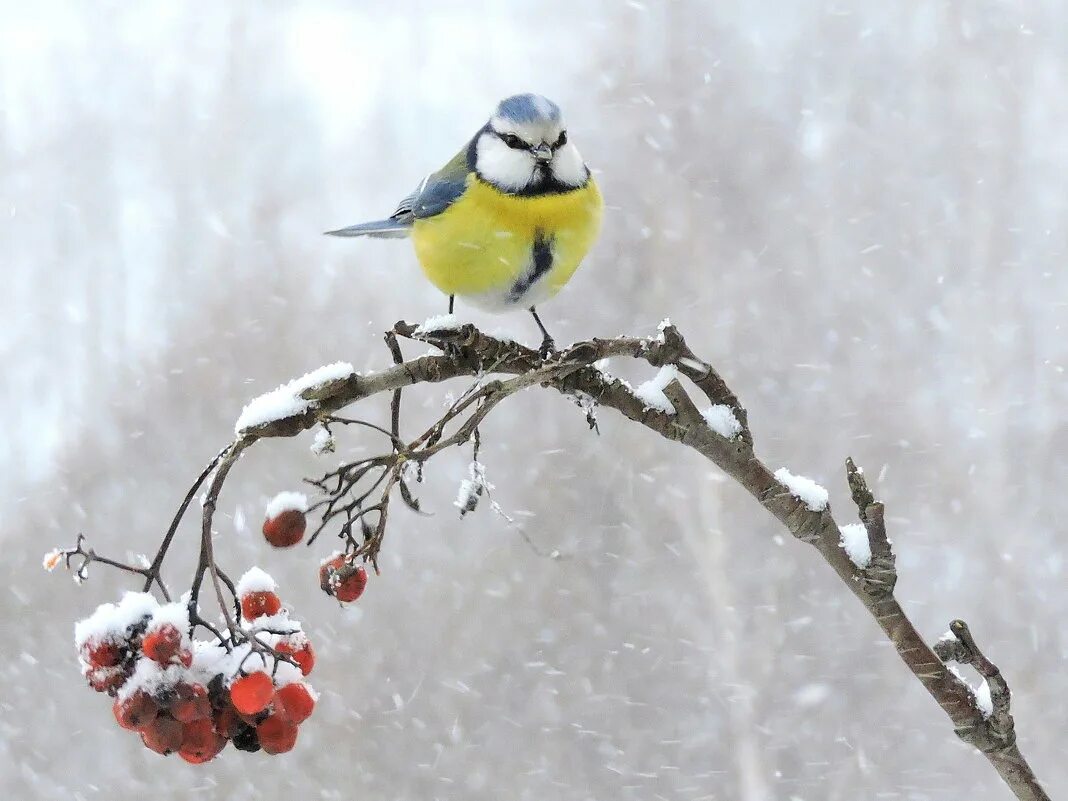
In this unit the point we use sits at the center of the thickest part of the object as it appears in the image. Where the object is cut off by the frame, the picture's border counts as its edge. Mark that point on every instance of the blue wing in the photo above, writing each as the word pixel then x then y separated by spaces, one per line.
pixel 436 193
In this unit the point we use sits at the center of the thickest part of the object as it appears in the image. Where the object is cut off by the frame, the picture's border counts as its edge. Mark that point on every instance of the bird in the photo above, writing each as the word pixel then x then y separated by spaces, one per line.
pixel 507 221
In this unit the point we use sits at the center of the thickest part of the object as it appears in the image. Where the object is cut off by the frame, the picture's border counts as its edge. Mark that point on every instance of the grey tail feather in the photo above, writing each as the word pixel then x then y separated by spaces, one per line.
pixel 382 229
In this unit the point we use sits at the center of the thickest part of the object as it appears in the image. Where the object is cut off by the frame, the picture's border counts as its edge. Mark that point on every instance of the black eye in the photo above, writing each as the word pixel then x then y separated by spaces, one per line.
pixel 513 141
pixel 561 141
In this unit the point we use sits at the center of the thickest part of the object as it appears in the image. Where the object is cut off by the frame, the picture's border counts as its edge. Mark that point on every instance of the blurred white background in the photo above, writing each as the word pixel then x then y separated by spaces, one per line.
pixel 855 211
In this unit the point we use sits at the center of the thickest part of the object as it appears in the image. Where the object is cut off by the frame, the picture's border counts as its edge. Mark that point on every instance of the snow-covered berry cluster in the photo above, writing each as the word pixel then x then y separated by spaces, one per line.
pixel 194 696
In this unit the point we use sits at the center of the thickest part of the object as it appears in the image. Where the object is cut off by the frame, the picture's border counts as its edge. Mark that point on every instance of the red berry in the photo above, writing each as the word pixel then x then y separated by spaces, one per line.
pixel 106 679
pixel 227 723
pixel 200 742
pixel 295 702
pixel 285 528
pixel 341 579
pixel 162 735
pixel 162 644
pixel 276 734
pixel 303 655
pixel 103 654
pixel 136 712
pixel 258 604
pixel 191 704
pixel 251 694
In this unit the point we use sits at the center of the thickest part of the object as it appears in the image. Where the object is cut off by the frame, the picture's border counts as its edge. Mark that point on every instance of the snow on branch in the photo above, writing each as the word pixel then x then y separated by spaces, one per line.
pixel 292 398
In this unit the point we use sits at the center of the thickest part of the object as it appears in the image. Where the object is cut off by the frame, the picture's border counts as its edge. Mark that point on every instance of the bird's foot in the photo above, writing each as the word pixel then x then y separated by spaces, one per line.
pixel 548 348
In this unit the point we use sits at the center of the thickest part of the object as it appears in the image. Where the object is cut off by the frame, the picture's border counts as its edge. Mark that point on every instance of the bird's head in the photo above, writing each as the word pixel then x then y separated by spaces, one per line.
pixel 525 148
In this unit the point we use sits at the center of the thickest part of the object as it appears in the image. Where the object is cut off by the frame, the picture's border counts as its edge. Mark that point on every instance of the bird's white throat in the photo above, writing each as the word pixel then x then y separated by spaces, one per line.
pixel 514 170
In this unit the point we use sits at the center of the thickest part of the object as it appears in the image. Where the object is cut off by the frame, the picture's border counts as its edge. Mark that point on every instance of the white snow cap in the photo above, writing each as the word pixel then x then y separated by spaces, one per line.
pixel 804 489
pixel 284 502
pixel 176 614
pixel 721 419
pixel 285 673
pixel 981 695
pixel 286 400
pixel 661 328
pixel 255 580
pixel 152 678
pixel 854 541
pixel 109 623
pixel 651 393
pixel 442 322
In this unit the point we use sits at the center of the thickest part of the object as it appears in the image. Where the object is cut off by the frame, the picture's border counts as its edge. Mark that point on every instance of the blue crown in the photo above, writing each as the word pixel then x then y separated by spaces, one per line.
pixel 528 108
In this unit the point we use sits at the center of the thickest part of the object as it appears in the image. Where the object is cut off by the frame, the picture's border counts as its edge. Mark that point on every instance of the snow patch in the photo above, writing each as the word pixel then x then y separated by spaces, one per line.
pixel 661 328
pixel 110 622
pixel 651 393
pixel 285 673
pixel 176 614
pixel 854 541
pixel 981 695
pixel 286 501
pixel 694 364
pixel 983 700
pixel 271 629
pixel 804 489
pixel 442 322
pixel 323 442
pixel 286 401
pixel 152 678
pixel 721 419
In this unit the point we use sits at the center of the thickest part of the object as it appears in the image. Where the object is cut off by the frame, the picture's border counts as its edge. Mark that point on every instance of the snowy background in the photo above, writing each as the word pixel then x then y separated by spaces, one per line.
pixel 855 210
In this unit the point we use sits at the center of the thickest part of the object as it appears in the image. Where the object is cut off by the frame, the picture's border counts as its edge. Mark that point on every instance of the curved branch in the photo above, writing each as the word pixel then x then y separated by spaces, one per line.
pixel 720 434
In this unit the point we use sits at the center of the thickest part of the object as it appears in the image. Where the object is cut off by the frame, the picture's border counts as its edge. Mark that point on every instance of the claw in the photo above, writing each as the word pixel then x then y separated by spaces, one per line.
pixel 548 348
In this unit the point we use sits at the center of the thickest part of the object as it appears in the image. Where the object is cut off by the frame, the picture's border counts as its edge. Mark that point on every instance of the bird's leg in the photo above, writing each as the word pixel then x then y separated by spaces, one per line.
pixel 451 349
pixel 547 344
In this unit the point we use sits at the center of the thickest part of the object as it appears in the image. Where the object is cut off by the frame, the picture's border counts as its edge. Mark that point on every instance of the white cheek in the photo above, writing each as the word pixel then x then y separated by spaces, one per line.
pixel 568 167
pixel 500 164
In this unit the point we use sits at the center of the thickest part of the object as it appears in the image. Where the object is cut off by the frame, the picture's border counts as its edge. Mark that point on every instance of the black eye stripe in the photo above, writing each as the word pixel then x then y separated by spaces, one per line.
pixel 516 143
pixel 513 141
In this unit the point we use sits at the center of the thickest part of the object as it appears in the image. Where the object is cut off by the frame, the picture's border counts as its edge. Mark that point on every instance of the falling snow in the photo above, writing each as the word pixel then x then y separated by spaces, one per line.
pixel 853 212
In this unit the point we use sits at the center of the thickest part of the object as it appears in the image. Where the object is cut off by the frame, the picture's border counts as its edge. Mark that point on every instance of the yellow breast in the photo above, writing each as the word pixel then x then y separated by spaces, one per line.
pixel 482 246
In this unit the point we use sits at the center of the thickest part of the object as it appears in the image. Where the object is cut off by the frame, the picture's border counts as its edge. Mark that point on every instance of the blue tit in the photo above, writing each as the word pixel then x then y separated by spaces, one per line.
pixel 507 221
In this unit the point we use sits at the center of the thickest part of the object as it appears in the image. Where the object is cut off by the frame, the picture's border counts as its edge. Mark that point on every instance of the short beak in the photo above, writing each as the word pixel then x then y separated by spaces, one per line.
pixel 543 152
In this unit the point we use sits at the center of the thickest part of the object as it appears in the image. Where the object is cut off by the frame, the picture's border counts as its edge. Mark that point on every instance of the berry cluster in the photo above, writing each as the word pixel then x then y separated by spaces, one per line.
pixel 193 696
